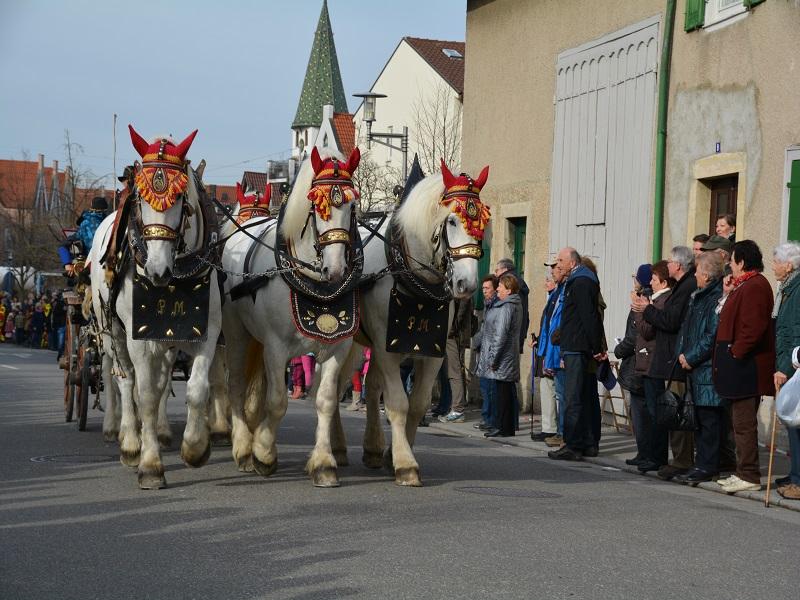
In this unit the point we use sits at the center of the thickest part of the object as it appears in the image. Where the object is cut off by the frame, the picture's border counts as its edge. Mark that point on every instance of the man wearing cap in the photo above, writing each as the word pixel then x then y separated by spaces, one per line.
pixel 718 244
pixel 549 358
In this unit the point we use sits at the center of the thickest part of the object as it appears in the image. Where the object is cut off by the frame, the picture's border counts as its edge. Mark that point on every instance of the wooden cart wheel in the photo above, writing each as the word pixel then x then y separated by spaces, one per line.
pixel 69 387
pixel 83 369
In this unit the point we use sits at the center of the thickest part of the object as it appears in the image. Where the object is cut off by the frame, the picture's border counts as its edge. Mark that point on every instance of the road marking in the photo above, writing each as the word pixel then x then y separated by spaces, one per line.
pixel 21 354
pixel 10 367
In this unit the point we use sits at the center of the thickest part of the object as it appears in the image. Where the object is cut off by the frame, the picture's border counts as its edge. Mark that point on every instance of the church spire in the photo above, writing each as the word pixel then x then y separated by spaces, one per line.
pixel 323 82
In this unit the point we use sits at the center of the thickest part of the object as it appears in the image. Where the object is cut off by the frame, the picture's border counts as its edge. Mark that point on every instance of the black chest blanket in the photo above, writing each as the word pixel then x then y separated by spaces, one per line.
pixel 418 323
pixel 177 312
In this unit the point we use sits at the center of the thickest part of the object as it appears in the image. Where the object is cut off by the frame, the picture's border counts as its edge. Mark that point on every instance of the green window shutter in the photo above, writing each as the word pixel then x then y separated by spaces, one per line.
pixel 793 231
pixel 484 268
pixel 751 3
pixel 695 13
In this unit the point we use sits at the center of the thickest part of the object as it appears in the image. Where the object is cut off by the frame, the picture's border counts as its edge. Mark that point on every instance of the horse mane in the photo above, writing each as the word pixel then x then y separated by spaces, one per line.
pixel 421 211
pixel 297 206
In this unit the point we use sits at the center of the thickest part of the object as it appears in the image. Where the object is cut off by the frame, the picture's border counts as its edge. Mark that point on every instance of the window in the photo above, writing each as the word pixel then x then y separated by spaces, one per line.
pixel 450 53
pixel 704 13
pixel 517 238
pixel 793 226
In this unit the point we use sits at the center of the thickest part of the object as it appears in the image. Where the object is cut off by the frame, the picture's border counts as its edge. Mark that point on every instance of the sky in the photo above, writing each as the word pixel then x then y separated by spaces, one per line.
pixel 232 69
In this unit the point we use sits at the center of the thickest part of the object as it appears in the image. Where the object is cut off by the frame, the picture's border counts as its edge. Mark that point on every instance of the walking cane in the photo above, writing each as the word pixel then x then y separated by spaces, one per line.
pixel 533 378
pixel 772 445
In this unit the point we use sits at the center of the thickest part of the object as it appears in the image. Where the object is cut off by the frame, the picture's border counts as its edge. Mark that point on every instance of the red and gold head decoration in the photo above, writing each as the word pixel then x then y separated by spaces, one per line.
pixel 253 204
pixel 333 182
pixel 161 177
pixel 462 196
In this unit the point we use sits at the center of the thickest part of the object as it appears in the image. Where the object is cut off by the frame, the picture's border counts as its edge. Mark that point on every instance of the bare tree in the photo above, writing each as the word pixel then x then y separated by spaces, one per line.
pixel 437 129
pixel 375 184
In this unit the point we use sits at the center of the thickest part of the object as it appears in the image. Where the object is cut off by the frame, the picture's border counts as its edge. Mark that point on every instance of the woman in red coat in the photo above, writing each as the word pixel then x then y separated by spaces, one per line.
pixel 744 358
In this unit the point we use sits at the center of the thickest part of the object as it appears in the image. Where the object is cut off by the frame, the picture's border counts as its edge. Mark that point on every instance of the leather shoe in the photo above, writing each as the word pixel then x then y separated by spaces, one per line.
pixel 540 437
pixel 497 433
pixel 635 461
pixel 591 451
pixel 694 476
pixel 782 481
pixel 565 453
pixel 648 466
pixel 667 472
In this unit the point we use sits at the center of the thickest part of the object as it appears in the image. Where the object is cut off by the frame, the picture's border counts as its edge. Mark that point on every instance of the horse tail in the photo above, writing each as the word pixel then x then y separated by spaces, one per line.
pixel 256 377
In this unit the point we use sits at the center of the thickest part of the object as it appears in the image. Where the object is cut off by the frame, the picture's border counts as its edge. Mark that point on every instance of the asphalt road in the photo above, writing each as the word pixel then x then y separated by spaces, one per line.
pixel 491 521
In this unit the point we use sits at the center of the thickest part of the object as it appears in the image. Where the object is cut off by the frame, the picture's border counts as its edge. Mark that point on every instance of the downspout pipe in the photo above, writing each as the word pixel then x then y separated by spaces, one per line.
pixel 661 139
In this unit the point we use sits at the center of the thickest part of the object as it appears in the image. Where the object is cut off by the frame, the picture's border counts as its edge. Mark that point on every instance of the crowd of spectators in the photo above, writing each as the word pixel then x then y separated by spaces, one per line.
pixel 34 321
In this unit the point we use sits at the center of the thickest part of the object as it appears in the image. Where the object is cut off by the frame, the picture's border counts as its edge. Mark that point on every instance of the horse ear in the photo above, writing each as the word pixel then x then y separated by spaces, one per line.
pixel 138 142
pixel 316 161
pixel 267 193
pixel 239 193
pixel 183 147
pixel 481 180
pixel 447 176
pixel 355 158
pixel 201 169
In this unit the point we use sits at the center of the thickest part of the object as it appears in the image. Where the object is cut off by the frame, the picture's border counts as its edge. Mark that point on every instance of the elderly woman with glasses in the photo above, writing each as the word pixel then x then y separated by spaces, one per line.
pixel 694 349
pixel 786 266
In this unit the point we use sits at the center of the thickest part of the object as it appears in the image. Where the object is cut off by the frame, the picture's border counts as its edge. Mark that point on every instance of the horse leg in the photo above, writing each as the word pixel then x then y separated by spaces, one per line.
pixel 265 448
pixel 219 405
pixel 424 375
pixel 236 354
pixel 129 442
pixel 373 432
pixel 196 446
pixel 112 415
pixel 162 428
pixel 152 378
pixel 338 439
pixel 321 465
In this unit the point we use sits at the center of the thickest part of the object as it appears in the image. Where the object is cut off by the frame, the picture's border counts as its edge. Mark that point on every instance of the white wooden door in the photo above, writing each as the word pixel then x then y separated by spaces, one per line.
pixel 603 151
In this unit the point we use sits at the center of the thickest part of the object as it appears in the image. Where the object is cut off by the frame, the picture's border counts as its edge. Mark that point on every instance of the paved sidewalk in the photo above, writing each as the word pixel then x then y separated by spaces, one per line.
pixel 615 448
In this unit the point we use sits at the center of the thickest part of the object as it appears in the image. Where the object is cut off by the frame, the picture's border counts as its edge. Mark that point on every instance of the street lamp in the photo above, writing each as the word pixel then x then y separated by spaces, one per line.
pixel 368 117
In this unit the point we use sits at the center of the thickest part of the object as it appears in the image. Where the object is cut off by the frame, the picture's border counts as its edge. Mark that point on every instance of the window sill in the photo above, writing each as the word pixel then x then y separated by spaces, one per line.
pixel 725 21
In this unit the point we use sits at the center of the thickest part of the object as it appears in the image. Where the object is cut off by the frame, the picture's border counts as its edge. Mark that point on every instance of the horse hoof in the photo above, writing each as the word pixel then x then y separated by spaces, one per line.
pixel 220 438
pixel 152 481
pixel 340 456
pixel 263 469
pixel 324 477
pixel 164 441
pixel 408 476
pixel 245 464
pixel 372 460
pixel 195 461
pixel 129 459
pixel 110 437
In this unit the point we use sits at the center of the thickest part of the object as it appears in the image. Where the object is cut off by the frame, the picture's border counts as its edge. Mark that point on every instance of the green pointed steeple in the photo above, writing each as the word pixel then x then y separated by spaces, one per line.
pixel 323 82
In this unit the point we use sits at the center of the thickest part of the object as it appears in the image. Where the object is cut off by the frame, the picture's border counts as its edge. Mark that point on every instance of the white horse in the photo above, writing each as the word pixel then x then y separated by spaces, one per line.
pixel 170 236
pixel 318 233
pixel 440 226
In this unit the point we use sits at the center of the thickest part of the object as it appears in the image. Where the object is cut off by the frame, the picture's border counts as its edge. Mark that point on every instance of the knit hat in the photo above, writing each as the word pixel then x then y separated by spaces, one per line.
pixel 644 274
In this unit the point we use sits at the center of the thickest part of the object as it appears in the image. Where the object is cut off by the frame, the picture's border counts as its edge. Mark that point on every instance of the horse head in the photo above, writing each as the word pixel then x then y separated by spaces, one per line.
pixel 167 195
pixel 463 229
pixel 324 196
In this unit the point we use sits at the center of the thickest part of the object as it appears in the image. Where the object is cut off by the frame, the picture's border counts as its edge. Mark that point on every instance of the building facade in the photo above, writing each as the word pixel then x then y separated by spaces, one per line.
pixel 562 100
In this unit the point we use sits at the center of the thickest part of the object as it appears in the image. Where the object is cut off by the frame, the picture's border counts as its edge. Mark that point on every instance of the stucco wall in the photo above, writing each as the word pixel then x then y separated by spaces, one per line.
pixel 737 85
pixel 508 122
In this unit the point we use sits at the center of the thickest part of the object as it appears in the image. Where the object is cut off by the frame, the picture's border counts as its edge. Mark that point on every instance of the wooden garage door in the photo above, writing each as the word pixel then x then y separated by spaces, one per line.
pixel 603 150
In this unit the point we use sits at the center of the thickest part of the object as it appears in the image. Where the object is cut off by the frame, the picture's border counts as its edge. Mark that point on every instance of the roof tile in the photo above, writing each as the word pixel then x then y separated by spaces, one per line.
pixel 451 69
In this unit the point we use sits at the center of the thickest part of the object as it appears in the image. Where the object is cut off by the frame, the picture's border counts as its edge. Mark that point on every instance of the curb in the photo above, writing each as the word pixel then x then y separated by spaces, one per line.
pixel 525 442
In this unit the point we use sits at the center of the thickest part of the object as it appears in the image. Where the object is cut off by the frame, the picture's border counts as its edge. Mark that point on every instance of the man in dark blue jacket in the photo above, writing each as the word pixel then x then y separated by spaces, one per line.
pixel 581 340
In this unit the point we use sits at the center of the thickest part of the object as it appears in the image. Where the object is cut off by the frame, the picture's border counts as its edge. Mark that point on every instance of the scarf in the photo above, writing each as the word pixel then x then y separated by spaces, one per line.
pixel 779 295
pixel 737 281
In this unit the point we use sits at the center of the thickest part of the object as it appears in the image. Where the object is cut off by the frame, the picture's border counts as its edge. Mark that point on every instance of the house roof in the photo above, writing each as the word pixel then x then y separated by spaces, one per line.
pixel 345 131
pixel 450 69
pixel 323 81
pixel 225 194
pixel 254 180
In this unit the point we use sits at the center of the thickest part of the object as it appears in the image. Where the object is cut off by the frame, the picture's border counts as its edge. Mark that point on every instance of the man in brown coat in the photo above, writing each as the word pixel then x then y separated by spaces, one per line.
pixel 744 358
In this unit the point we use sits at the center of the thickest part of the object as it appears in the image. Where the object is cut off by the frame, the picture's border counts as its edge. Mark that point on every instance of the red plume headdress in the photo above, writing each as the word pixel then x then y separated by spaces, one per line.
pixel 252 205
pixel 462 196
pixel 161 178
pixel 333 182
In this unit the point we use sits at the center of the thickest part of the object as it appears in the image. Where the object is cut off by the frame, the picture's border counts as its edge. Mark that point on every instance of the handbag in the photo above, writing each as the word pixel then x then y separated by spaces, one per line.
pixel 787 404
pixel 675 412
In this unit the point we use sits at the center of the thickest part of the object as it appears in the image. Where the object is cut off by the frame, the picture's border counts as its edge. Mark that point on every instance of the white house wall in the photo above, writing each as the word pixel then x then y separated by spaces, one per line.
pixel 406 80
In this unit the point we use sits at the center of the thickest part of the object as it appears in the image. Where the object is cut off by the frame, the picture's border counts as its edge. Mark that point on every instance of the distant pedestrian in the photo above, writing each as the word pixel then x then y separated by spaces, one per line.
pixel 487 384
